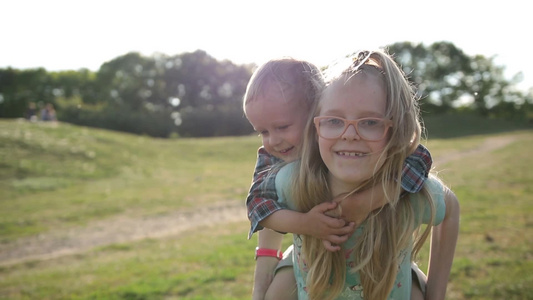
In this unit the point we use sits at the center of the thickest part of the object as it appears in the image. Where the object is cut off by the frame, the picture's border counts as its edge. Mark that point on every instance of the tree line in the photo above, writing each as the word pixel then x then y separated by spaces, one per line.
pixel 195 95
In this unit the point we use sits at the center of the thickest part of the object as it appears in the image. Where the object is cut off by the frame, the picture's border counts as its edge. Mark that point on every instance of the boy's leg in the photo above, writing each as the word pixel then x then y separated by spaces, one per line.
pixel 265 266
pixel 283 285
pixel 418 288
pixel 263 276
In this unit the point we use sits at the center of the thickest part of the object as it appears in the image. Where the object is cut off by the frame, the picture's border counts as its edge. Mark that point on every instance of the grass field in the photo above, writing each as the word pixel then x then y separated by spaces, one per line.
pixel 62 177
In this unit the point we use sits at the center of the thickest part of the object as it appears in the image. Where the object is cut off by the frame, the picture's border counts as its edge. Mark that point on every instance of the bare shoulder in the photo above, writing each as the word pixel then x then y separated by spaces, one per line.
pixel 452 203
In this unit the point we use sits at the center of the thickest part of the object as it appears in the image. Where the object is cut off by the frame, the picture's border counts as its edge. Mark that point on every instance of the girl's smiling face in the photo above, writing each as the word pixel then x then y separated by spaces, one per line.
pixel 349 159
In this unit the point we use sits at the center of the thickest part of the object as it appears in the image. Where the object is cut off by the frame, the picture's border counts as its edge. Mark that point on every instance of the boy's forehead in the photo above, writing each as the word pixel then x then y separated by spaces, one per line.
pixel 286 93
pixel 271 90
pixel 274 101
pixel 270 110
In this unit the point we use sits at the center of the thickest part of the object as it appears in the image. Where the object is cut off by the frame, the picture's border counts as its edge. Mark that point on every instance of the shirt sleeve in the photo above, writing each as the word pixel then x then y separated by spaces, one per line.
pixel 416 169
pixel 435 187
pixel 262 198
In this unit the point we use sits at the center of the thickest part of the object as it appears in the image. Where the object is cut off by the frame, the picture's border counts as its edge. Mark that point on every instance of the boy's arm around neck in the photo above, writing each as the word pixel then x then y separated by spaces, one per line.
pixel 262 198
pixel 313 223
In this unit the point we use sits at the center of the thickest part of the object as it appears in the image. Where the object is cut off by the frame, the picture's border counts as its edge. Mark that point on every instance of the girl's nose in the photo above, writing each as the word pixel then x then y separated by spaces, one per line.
pixel 350 133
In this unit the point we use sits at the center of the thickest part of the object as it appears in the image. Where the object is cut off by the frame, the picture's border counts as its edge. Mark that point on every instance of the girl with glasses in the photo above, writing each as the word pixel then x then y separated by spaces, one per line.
pixel 363 127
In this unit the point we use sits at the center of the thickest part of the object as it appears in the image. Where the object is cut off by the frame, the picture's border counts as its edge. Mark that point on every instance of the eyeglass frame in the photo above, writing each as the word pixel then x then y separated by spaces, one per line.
pixel 347 123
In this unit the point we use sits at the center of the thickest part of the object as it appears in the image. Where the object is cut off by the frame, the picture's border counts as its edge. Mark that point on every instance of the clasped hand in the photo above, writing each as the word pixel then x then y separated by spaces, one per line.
pixel 333 222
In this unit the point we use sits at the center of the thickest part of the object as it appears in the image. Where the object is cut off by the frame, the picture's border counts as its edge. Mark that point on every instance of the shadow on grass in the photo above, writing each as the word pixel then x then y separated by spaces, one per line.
pixel 460 125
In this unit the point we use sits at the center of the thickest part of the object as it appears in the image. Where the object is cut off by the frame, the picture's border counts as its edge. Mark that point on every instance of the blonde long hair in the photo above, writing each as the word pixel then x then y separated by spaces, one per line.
pixel 387 230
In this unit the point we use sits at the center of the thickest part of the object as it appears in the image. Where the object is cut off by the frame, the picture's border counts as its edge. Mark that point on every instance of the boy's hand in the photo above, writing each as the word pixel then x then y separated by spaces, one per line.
pixel 352 210
pixel 325 224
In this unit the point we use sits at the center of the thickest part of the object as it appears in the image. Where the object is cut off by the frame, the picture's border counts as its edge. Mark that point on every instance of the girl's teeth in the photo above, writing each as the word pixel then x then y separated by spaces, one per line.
pixel 351 154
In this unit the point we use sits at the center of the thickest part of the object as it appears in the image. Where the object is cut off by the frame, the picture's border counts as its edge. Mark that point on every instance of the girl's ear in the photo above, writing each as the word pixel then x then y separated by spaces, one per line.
pixel 412 147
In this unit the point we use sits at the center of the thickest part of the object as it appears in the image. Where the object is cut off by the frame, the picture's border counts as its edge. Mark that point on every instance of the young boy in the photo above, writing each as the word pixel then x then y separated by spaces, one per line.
pixel 277 103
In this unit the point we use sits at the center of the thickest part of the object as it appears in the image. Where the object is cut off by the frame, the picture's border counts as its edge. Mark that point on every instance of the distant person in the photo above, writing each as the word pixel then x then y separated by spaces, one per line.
pixel 48 113
pixel 31 112
pixel 364 126
pixel 278 101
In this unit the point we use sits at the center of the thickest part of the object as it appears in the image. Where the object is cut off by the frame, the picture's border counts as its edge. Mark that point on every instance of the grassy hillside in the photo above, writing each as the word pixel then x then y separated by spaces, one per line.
pixel 57 176
pixel 60 177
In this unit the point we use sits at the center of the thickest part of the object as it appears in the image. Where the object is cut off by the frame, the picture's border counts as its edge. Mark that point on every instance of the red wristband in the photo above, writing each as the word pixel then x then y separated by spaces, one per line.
pixel 268 252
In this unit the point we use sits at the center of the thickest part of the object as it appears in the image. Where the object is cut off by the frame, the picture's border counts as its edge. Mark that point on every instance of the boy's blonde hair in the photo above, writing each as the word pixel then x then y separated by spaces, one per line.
pixel 387 230
pixel 295 79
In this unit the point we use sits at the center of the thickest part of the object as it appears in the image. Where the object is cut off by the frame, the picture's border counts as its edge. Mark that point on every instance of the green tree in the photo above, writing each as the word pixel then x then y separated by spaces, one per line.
pixel 209 92
pixel 75 84
pixel 446 78
pixel 198 94
pixel 20 87
pixel 194 94
pixel 198 79
pixel 129 80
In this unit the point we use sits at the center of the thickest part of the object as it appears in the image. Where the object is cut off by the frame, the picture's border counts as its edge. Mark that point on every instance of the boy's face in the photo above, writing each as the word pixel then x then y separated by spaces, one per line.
pixel 280 122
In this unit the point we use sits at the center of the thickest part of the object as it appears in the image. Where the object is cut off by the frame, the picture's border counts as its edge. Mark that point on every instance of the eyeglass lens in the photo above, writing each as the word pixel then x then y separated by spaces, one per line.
pixel 371 129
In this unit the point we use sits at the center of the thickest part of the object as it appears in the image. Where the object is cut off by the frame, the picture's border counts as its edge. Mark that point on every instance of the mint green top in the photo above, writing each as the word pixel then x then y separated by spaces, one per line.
pixel 353 288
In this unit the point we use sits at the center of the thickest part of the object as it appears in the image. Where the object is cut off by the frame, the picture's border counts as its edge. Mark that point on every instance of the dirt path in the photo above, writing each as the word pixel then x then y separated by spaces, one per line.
pixel 489 145
pixel 117 230
pixel 122 229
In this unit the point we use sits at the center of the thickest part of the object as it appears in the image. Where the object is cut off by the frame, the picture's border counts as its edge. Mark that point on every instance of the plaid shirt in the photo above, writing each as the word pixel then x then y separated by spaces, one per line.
pixel 262 198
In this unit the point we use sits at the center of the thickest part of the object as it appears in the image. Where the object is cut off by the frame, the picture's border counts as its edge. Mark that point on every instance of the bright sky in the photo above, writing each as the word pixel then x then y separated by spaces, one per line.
pixel 66 34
